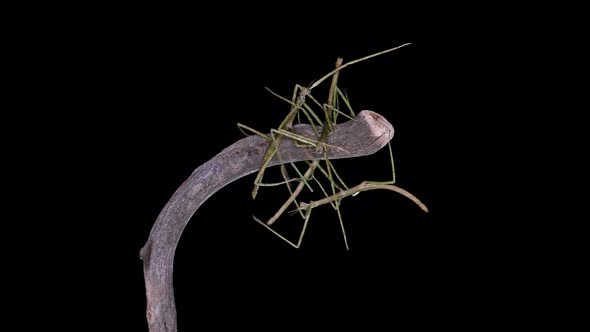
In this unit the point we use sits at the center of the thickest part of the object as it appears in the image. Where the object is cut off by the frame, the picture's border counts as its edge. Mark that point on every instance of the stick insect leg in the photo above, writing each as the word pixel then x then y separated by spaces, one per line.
pixel 392 171
pixel 342 225
pixel 296 246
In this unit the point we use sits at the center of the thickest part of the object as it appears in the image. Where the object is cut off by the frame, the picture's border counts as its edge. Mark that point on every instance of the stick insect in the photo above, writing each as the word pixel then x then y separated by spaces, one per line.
pixel 339 190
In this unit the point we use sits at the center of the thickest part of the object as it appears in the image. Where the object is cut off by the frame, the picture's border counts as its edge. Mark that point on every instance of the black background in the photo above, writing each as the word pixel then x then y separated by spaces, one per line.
pixel 487 104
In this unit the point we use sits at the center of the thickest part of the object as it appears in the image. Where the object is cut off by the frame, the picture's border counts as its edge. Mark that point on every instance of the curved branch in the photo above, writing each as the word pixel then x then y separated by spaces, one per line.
pixel 364 135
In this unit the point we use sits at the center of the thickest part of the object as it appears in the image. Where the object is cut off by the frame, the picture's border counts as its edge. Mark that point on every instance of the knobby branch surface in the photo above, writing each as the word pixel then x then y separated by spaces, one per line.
pixel 363 136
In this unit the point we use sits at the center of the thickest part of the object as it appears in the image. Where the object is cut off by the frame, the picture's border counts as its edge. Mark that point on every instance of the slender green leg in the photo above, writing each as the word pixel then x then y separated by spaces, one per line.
pixel 296 246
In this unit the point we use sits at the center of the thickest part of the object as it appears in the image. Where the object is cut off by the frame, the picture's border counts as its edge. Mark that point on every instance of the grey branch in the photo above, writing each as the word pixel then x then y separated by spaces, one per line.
pixel 364 135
